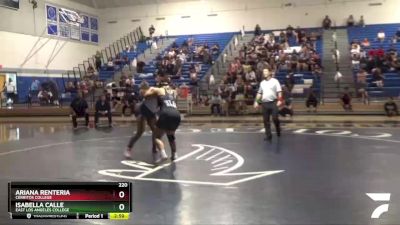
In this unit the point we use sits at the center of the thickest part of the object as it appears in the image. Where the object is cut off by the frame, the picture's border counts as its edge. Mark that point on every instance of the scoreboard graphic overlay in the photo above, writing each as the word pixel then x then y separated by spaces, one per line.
pixel 76 200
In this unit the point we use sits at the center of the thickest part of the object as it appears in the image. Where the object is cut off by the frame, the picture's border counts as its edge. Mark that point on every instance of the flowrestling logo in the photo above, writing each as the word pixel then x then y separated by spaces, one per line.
pixel 379 197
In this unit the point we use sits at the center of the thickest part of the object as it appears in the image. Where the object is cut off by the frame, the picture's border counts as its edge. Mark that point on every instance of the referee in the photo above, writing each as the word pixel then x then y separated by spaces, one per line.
pixel 270 94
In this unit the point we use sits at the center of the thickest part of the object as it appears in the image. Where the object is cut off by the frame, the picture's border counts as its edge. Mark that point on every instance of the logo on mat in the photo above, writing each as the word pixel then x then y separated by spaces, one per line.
pixel 379 197
pixel 212 166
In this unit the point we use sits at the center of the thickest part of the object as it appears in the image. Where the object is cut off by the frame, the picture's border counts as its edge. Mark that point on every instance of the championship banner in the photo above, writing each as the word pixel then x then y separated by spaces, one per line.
pixel 71 24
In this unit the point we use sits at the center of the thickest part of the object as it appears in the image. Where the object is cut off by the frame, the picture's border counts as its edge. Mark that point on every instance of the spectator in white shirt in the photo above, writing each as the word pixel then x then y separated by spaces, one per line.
pixel 270 96
pixel 10 91
pixel 381 36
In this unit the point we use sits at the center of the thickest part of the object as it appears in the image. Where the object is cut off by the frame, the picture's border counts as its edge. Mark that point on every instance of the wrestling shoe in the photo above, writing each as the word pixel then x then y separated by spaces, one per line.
pixel 174 155
pixel 127 153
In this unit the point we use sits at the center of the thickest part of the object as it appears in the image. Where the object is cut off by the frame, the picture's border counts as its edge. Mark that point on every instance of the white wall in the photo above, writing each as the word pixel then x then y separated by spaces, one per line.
pixel 19 31
pixel 15 47
pixel 233 14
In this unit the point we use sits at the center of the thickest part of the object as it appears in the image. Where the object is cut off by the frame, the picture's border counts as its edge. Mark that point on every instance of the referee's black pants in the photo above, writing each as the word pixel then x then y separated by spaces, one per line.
pixel 268 109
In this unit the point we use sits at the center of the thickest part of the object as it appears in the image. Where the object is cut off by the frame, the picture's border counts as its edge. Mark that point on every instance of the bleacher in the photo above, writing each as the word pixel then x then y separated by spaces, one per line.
pixel 304 80
pixel 105 74
pixel 222 39
pixel 391 80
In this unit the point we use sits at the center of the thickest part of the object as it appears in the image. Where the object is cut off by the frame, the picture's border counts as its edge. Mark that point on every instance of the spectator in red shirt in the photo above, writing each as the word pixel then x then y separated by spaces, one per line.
pixel 372 53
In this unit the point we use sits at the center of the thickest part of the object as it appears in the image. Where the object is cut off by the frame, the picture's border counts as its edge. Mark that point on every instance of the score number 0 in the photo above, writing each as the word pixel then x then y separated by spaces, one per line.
pixel 121 194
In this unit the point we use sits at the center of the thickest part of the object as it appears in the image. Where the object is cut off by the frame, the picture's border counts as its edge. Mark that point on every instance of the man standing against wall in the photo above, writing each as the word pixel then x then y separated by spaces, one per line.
pixel 10 90
pixel 270 95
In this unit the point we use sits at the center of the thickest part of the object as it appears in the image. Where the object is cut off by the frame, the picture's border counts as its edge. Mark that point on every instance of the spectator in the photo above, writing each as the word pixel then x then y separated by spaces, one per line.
pixel 70 88
pixel 115 100
pixel 350 21
pixel 79 108
pixel 286 108
pixel 391 108
pixel 215 49
pixel 257 31
pixel 381 36
pixel 345 100
pixel 311 101
pixel 10 92
pixel 362 86
pixel 129 99
pixel 110 64
pixel 140 66
pixel 361 23
pixel 90 71
pixel 45 97
pixel 289 31
pixel 98 60
pixel 289 82
pixel 377 77
pixel 151 30
pixel 365 43
pixel 326 23
pixel 103 109
pixel 398 33
pixel 35 87
pixel 216 102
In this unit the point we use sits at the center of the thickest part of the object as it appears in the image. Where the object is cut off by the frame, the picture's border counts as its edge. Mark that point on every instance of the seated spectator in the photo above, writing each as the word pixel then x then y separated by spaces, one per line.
pixel 391 108
pixel 361 23
pixel 289 82
pixel 251 77
pixel 311 101
pixel 79 108
pixel 365 43
pixel 381 36
pixel 355 49
pixel 45 97
pixel 102 109
pixel 216 102
pixel 110 64
pixel 90 71
pixel 326 23
pixel 286 108
pixel 377 77
pixel 398 33
pixel 118 60
pixel 70 88
pixel 350 21
pixel 127 49
pixel 140 66
pixel 115 100
pixel 362 86
pixel 289 31
pixel 355 62
pixel 345 100
pixel 215 49
pixel 393 40
pixel 130 99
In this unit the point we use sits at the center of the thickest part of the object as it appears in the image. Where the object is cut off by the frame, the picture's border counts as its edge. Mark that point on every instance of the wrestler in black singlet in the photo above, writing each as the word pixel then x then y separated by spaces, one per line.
pixel 169 116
